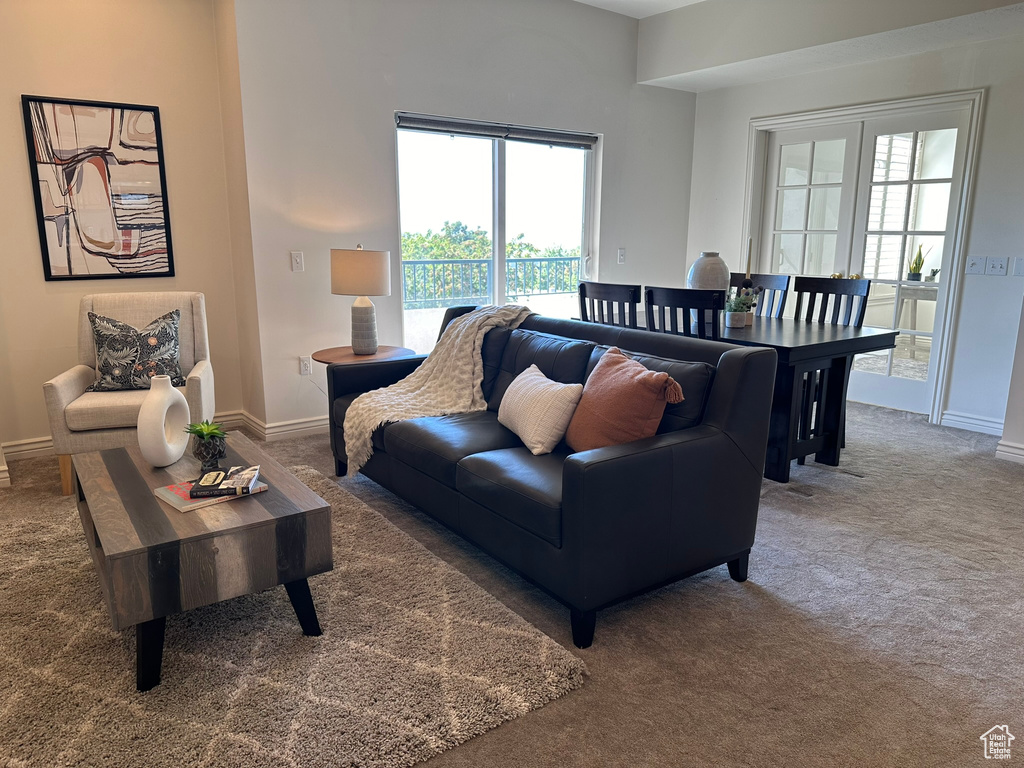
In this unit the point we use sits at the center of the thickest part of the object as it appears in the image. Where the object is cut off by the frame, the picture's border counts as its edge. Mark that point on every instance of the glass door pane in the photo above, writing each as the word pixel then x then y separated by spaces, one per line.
pixel 906 220
pixel 544 210
pixel 445 204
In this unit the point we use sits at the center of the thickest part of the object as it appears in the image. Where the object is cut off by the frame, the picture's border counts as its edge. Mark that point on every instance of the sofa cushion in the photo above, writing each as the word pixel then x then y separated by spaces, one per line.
pixel 524 489
pixel 622 402
pixel 128 357
pixel 435 444
pixel 694 378
pixel 538 409
pixel 560 359
pixel 106 410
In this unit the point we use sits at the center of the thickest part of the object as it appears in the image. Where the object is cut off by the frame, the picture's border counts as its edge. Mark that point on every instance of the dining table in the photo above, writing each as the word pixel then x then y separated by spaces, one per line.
pixel 811 381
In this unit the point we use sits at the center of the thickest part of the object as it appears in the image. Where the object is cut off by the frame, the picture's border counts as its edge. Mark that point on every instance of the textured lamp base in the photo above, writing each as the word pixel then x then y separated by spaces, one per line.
pixel 364 328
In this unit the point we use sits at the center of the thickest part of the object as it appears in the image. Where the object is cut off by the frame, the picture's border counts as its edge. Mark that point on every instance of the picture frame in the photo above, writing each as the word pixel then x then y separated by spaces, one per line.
pixel 100 191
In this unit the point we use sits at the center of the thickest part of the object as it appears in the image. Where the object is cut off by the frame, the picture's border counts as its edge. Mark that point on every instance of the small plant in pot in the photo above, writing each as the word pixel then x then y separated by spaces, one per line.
pixel 737 307
pixel 209 444
pixel 916 265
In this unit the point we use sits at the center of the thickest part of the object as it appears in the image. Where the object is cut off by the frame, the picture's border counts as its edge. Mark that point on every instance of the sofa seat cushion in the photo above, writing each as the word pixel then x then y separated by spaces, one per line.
pixel 435 444
pixel 106 410
pixel 524 489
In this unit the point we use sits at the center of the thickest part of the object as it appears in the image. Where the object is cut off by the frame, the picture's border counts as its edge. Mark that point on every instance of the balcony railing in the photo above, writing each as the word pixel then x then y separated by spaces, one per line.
pixel 430 283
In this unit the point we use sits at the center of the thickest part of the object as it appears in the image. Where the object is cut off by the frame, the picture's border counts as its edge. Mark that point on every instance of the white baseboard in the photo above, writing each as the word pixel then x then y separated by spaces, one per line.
pixel 972 422
pixel 27 449
pixel 1010 451
pixel 5 474
pixel 282 430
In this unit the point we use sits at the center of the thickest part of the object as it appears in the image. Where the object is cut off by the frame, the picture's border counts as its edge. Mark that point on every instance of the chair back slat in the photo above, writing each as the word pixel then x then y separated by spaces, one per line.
pixel 681 302
pixel 609 303
pixel 772 301
pixel 843 301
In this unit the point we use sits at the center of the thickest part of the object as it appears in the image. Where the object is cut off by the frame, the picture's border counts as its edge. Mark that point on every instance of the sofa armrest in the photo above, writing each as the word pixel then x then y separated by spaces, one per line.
pixel 652 510
pixel 348 378
pixel 199 392
pixel 59 392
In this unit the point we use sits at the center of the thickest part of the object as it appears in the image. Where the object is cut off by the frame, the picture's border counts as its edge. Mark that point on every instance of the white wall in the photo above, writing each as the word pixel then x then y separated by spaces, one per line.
pixel 1011 447
pixel 321 80
pixel 137 51
pixel 986 330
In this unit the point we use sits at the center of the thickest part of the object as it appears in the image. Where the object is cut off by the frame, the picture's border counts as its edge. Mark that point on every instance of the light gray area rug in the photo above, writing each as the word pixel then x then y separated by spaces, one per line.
pixel 414 659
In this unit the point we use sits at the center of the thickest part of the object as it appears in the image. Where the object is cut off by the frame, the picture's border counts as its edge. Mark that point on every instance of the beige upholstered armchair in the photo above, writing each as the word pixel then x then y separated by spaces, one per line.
pixel 91 421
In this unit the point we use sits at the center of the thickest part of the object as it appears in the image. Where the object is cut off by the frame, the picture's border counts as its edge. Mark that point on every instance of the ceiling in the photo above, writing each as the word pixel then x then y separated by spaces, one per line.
pixel 639 9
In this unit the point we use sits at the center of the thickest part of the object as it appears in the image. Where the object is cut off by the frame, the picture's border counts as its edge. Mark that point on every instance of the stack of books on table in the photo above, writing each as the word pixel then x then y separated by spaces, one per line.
pixel 212 488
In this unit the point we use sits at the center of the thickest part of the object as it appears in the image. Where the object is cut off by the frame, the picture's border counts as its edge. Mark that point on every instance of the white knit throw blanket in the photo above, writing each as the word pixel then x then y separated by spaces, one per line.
pixel 448 381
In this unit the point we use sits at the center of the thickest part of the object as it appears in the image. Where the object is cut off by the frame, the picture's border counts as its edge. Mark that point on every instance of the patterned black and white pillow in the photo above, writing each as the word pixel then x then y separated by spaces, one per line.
pixel 127 358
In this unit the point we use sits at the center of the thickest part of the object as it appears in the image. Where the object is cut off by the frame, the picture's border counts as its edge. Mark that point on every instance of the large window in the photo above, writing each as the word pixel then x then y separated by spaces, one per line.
pixel 489 214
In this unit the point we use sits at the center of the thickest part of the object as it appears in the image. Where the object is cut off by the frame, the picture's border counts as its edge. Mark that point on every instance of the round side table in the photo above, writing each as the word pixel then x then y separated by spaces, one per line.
pixel 345 355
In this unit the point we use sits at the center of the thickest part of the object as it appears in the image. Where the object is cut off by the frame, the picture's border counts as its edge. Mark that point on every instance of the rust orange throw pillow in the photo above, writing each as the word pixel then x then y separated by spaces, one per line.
pixel 622 401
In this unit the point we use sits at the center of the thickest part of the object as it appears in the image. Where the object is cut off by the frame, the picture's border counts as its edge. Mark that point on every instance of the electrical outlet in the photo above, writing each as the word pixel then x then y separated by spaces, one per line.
pixel 975 266
pixel 622 255
pixel 1018 266
pixel 298 264
pixel 995 265
pixel 305 365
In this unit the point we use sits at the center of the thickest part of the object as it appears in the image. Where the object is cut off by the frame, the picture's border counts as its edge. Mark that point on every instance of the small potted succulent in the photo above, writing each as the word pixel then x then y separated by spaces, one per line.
pixel 209 445
pixel 916 265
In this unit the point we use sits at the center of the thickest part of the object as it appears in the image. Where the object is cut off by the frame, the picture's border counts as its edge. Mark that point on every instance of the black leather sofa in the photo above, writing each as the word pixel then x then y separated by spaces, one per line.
pixel 595 527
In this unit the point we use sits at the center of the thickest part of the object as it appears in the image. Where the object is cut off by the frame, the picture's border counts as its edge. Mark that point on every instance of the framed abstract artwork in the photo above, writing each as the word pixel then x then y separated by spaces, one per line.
pixel 101 196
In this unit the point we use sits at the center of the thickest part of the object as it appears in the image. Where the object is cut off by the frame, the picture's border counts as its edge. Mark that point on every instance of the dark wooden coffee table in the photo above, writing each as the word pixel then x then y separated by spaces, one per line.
pixel 154 561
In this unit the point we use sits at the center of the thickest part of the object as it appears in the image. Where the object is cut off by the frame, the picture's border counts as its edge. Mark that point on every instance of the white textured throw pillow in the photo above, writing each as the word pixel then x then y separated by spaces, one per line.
pixel 538 409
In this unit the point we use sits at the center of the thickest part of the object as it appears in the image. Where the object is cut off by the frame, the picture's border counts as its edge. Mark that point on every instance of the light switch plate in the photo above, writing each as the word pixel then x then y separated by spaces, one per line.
pixel 1018 266
pixel 298 264
pixel 996 265
pixel 975 266
pixel 622 255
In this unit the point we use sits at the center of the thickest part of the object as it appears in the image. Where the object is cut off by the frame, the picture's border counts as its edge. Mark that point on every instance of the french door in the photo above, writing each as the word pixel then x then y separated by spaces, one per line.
pixel 865 198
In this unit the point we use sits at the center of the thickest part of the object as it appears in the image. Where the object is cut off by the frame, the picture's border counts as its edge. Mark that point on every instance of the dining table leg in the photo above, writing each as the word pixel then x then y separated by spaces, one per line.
pixel 784 422
pixel 834 421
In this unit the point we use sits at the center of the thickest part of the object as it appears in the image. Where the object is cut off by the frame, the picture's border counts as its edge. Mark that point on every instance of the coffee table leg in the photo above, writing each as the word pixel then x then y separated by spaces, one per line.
pixel 149 653
pixel 302 602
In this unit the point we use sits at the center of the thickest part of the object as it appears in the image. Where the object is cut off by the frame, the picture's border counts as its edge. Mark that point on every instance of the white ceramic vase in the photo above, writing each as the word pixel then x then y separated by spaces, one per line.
pixel 709 272
pixel 162 420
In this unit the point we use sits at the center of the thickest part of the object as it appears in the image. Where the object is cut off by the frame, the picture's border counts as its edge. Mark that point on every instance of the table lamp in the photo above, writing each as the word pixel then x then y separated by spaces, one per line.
pixel 362 274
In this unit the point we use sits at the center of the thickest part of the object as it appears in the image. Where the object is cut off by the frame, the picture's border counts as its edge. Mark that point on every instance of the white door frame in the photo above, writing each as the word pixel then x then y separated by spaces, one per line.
pixel 972 101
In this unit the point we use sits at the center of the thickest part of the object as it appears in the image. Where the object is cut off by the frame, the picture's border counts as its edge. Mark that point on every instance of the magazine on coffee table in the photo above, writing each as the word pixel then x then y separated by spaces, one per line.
pixel 177 495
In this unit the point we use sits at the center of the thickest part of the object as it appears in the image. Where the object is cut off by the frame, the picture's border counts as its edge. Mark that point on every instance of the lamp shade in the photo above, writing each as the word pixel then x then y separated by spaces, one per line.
pixel 360 273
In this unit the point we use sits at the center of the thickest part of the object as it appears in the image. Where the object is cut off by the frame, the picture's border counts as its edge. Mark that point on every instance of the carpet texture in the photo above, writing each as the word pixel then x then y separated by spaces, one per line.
pixel 882 624
pixel 414 658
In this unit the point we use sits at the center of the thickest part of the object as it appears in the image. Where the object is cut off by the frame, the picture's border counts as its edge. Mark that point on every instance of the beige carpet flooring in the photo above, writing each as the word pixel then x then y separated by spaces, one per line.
pixel 882 625
pixel 415 658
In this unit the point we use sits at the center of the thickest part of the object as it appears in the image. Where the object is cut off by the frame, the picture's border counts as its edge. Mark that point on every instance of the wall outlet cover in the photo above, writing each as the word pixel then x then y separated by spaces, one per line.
pixel 305 365
pixel 975 266
pixel 996 265
pixel 1018 266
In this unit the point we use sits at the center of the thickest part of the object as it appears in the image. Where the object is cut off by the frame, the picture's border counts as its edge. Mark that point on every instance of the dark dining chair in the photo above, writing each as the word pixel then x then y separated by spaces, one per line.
pixel 609 303
pixel 772 300
pixel 668 310
pixel 843 301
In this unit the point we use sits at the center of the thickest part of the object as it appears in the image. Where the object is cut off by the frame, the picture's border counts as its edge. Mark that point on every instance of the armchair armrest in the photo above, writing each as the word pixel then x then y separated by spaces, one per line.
pixel 199 392
pixel 59 392
pixel 653 510
pixel 349 378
